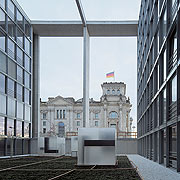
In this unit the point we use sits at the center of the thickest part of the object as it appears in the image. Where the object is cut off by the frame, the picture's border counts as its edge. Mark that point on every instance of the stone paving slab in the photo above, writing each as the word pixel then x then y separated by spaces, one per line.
pixel 150 170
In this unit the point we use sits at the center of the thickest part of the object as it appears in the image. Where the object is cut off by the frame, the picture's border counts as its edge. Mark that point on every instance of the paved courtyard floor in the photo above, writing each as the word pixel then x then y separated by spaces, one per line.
pixel 150 170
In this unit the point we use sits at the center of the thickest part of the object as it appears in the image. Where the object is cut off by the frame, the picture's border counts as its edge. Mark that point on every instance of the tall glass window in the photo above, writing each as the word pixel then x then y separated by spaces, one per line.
pixel 2 83
pixel 27 29
pixel 2 125
pixel 18 128
pixel 26 96
pixel 26 79
pixel 20 37
pixel 64 114
pixel 11 29
pixel 19 92
pixel 2 42
pixel 10 127
pixel 174 90
pixel 20 20
pixel 19 110
pixel 11 68
pixel 27 63
pixel 11 9
pixel 19 74
pixel 113 114
pixel 19 56
pixel 164 66
pixel 2 19
pixel 11 48
pixel 3 66
pixel 3 104
pixel 11 107
pixel 2 3
pixel 10 87
pixel 27 46
pixel 26 130
pixel 164 105
pixel 27 113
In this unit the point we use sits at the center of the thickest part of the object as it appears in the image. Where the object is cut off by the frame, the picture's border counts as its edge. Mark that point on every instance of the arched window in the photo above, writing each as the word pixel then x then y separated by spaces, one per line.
pixel 108 91
pixel 118 92
pixel 61 129
pixel 113 115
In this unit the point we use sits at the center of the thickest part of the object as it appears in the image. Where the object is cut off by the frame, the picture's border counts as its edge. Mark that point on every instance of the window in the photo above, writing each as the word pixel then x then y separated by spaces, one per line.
pixel 61 129
pixel 26 79
pixel 174 90
pixel 44 130
pixel 10 87
pixel 61 114
pixel 96 115
pixel 44 123
pixel 2 125
pixel 113 115
pixel 164 66
pixel 12 68
pixel 113 91
pixel 11 48
pixel 20 38
pixel 20 110
pixel 2 3
pixel 3 66
pixel 78 123
pixel 18 128
pixel 11 9
pixel 26 130
pixel 20 20
pixel 27 46
pixel 11 29
pixel 2 83
pixel 27 113
pixel 27 96
pixel 78 116
pixel 96 123
pixel 108 91
pixel 44 116
pixel 10 127
pixel 57 114
pixel 27 29
pixel 27 63
pixel 19 92
pixel 2 19
pixel 11 107
pixel 19 74
pixel 19 56
pixel 113 125
pixel 3 104
pixel 64 114
pixel 118 92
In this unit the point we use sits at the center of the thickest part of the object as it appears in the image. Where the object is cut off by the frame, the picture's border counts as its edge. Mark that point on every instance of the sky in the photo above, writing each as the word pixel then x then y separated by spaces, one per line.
pixel 61 58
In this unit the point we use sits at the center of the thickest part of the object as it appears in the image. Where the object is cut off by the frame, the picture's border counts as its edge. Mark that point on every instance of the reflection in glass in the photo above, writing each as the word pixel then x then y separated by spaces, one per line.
pixel 19 38
pixel 26 79
pixel 19 110
pixel 11 9
pixel 61 129
pixel 27 113
pixel 19 56
pixel 27 29
pixel 11 68
pixel 10 87
pixel 18 128
pixel 26 130
pixel 3 66
pixel 26 96
pixel 2 125
pixel 174 90
pixel 19 74
pixel 27 63
pixel 11 29
pixel 2 104
pixel 20 20
pixel 10 127
pixel 11 47
pixel 11 107
pixel 2 20
pixel 27 46
pixel 2 3
pixel 2 83
pixel 19 92
pixel 2 41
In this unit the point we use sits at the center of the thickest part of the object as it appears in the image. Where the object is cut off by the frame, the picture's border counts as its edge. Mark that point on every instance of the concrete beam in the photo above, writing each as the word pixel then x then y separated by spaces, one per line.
pixel 95 28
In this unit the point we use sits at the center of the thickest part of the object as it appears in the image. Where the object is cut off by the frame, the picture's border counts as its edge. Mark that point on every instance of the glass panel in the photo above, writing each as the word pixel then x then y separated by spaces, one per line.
pixel 164 65
pixel 61 129
pixel 19 92
pixel 2 104
pixel 18 128
pixel 113 115
pixel 26 96
pixel 96 123
pixel 26 130
pixel 20 20
pixel 27 63
pixel 164 25
pixel 2 3
pixel 2 83
pixel 27 29
pixel 10 127
pixel 11 68
pixel 19 74
pixel 11 48
pixel 19 56
pixel 11 29
pixel 19 110
pixel 26 79
pixel 164 105
pixel 64 114
pixel 10 87
pixel 20 38
pixel 2 19
pixel 174 90
pixel 2 124
pixel 27 113
pixel 27 46
pixel 2 41
pixel 11 107
pixel 11 9
pixel 3 66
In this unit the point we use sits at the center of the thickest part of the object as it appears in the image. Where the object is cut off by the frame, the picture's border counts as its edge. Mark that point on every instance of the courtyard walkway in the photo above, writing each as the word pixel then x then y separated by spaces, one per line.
pixel 150 170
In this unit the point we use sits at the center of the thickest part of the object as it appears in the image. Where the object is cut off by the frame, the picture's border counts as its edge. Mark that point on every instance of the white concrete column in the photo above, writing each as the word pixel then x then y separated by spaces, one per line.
pixel 86 77
pixel 36 87
pixel 105 117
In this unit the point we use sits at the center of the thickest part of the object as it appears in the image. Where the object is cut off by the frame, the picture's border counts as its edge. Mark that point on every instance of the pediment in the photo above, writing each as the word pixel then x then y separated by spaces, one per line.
pixel 59 100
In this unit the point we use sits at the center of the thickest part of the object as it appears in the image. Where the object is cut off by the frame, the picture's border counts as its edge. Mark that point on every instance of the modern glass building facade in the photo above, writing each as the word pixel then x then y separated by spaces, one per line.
pixel 15 79
pixel 158 96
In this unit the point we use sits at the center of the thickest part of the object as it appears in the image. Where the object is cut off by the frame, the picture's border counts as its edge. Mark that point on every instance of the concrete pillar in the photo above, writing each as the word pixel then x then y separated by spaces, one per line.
pixel 86 78
pixel 36 89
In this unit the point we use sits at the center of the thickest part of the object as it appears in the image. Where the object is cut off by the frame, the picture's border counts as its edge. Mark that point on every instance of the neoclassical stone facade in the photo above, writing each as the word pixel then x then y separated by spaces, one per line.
pixel 62 115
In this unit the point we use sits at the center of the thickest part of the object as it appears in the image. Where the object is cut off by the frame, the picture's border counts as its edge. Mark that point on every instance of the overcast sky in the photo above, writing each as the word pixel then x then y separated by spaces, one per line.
pixel 61 58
